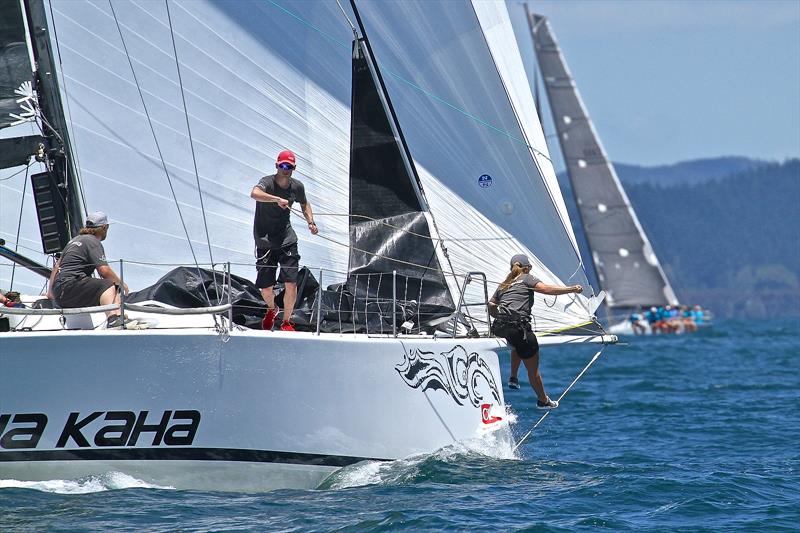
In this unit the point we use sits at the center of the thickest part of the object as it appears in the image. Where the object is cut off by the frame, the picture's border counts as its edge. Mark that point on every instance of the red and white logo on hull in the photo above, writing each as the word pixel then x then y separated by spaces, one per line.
pixel 486 414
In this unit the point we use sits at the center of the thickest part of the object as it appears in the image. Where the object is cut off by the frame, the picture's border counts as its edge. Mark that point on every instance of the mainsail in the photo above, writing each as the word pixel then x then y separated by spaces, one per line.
pixel 627 267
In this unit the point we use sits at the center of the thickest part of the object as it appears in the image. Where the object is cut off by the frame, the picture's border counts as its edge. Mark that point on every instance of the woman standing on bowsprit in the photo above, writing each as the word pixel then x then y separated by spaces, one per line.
pixel 511 306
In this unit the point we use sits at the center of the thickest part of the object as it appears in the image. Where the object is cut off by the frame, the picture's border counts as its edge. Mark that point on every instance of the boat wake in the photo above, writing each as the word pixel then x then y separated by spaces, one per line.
pixel 452 464
pixel 85 485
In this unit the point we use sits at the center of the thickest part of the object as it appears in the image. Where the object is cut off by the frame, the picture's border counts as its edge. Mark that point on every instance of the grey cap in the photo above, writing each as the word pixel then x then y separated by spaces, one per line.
pixel 522 259
pixel 96 219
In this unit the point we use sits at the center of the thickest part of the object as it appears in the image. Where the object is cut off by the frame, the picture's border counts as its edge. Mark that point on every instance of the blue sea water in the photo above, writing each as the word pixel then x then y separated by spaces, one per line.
pixel 698 432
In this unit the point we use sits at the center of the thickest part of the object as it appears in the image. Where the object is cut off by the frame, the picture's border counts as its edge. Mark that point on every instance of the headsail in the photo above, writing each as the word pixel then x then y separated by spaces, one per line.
pixel 627 267
pixel 485 189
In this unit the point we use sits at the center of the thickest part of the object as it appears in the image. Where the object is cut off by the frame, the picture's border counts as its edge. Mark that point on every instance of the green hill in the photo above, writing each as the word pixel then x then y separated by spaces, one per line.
pixel 730 243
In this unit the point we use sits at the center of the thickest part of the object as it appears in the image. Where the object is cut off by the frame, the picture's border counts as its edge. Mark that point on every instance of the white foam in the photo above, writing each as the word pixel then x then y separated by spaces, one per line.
pixel 99 483
pixel 491 445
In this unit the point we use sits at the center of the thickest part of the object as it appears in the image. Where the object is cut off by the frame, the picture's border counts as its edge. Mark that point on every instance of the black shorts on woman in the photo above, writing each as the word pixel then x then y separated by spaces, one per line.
pixel 519 335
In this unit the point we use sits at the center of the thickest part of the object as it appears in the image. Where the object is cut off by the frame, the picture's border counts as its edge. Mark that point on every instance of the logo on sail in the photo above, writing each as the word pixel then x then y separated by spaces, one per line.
pixel 465 377
pixel 485 181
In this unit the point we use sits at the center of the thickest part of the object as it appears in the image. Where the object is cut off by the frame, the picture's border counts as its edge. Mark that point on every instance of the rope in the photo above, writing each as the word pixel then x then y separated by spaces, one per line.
pixel 191 141
pixel 17 173
pixel 158 146
pixel 19 224
pixel 72 148
pixel 352 27
pixel 574 381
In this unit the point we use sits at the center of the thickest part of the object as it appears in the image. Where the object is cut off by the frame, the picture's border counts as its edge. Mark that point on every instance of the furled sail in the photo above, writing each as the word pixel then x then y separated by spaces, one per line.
pixel 627 267
pixel 486 190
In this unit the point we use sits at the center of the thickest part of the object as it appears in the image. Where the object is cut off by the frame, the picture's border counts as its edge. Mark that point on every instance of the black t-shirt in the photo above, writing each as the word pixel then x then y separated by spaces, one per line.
pixel 81 256
pixel 272 227
pixel 517 299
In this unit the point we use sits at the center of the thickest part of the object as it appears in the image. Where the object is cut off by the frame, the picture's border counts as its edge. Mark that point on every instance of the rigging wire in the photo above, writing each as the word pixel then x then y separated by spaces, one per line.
pixel 19 224
pixel 17 173
pixel 191 142
pixel 72 150
pixel 158 146
pixel 574 381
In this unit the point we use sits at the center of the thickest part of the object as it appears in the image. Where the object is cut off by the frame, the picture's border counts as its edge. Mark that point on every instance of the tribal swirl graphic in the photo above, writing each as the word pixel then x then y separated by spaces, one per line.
pixel 465 377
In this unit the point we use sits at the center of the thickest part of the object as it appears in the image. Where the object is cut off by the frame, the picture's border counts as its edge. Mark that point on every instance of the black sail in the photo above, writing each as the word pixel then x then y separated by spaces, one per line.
pixel 15 64
pixel 388 227
pixel 627 267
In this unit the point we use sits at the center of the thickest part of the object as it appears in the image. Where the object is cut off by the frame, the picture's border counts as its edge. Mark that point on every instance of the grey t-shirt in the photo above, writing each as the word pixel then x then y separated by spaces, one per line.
pixel 272 227
pixel 517 299
pixel 81 256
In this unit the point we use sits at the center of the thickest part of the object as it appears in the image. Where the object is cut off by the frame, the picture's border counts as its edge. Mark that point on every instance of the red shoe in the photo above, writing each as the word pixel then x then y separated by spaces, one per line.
pixel 287 326
pixel 269 319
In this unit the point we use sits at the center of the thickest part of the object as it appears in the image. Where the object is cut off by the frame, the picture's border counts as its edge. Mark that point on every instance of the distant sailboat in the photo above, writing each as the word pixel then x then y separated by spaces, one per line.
pixel 627 267
pixel 166 116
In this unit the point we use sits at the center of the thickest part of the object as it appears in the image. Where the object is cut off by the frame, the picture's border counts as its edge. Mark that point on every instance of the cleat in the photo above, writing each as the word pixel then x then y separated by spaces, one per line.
pixel 513 383
pixel 287 326
pixel 548 404
pixel 269 319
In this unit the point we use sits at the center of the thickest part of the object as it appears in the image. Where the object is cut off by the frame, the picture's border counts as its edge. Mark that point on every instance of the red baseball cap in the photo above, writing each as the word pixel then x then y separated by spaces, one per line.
pixel 287 156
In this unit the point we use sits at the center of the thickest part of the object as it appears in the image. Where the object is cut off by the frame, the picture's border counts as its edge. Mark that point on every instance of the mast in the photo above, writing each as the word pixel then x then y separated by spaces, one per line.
pixel 626 265
pixel 60 166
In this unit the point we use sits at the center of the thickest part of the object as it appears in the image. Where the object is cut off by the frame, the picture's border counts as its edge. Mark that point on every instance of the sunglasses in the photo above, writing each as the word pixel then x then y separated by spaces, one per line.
pixel 286 166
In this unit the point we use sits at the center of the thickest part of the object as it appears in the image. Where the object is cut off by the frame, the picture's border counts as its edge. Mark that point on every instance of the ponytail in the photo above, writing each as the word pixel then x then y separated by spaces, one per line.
pixel 516 271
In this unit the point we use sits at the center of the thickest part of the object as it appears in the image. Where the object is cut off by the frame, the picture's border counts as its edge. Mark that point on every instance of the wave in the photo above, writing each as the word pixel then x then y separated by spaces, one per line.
pixel 96 483
pixel 455 463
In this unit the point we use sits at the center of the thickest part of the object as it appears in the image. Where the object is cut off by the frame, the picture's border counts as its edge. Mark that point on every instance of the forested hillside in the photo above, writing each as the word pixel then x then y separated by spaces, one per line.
pixel 731 243
pixel 694 171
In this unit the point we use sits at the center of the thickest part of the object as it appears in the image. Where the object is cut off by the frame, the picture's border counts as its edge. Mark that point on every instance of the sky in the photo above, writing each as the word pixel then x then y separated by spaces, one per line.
pixel 668 81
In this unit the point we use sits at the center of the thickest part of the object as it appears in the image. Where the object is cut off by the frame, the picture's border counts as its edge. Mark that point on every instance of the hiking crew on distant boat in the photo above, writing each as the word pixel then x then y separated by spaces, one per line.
pixel 511 304
pixel 276 241
pixel 71 282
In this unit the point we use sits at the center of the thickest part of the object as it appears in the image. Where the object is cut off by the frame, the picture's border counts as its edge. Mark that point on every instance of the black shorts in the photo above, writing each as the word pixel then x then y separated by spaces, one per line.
pixel 519 337
pixel 267 262
pixel 83 292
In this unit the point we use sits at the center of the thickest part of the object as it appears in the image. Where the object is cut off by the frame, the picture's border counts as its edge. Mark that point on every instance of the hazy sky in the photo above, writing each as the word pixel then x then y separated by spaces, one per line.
pixel 666 81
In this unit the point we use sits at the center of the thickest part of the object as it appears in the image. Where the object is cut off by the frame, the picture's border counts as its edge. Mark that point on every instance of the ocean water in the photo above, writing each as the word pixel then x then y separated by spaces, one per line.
pixel 700 432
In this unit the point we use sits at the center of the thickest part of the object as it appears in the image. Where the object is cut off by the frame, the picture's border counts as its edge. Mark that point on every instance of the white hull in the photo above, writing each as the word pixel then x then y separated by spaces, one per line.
pixel 190 409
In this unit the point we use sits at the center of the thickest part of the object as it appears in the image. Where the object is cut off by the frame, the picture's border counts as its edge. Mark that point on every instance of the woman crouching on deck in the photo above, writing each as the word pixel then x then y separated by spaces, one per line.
pixel 511 306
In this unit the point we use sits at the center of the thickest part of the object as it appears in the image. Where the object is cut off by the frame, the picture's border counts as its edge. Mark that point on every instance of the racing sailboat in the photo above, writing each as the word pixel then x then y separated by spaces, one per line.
pixel 164 116
pixel 627 267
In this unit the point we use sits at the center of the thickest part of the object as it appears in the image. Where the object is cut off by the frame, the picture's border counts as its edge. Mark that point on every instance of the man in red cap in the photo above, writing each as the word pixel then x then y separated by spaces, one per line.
pixel 276 241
